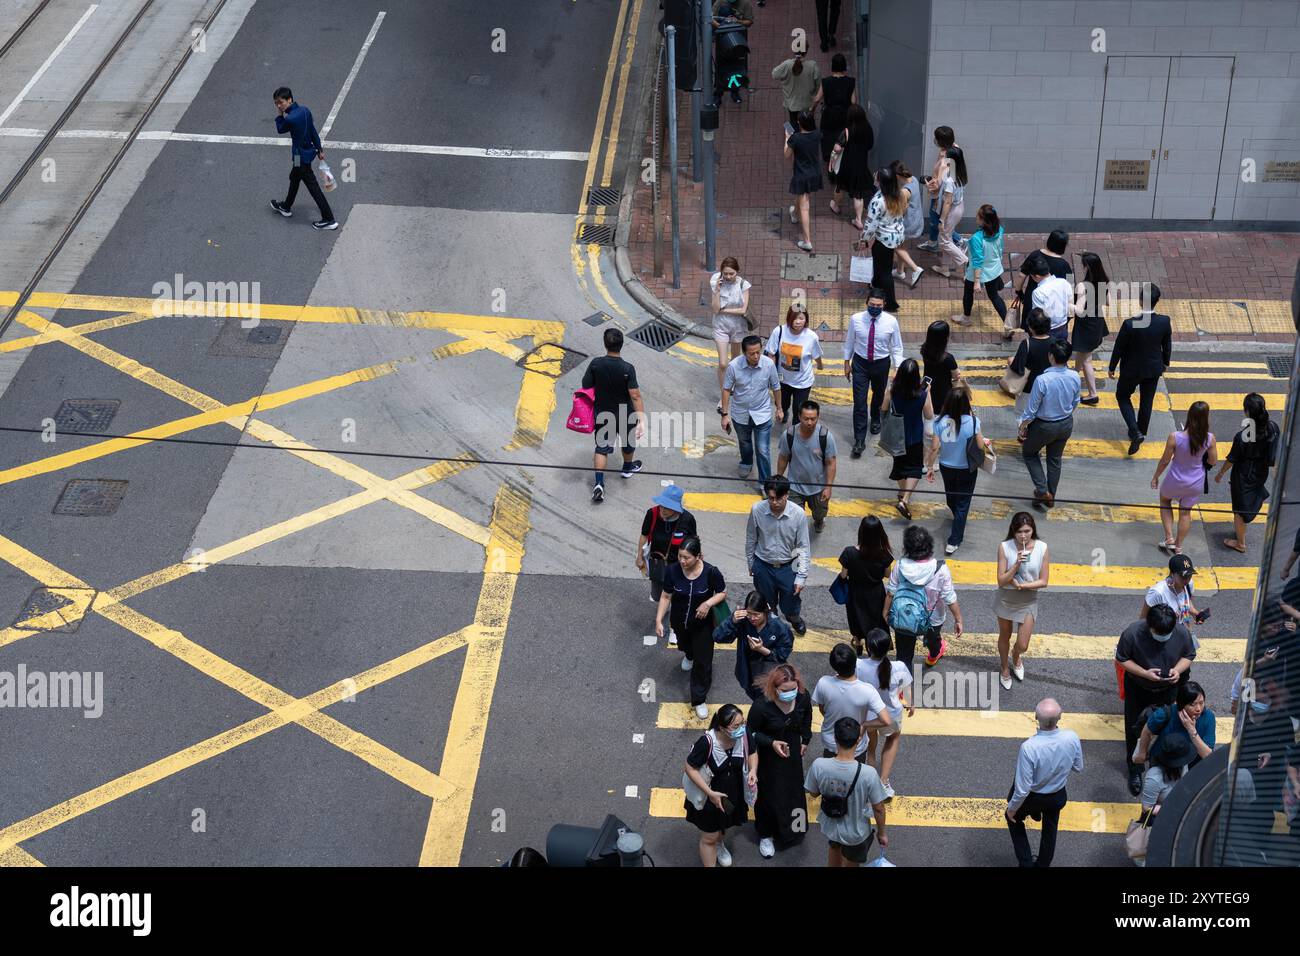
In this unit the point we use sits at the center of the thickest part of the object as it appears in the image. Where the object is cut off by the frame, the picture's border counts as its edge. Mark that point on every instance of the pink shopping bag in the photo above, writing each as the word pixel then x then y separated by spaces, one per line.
pixel 582 417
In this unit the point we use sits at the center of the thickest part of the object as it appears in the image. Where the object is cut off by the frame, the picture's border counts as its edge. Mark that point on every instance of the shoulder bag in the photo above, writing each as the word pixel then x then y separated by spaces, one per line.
pixel 893 433
pixel 1012 382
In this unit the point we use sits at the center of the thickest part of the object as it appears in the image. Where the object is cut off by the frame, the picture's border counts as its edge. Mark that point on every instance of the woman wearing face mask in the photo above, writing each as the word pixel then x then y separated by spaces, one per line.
pixel 780 723
pixel 1174 739
pixel 692 589
pixel 762 642
pixel 721 778
pixel 795 349
pixel 1023 568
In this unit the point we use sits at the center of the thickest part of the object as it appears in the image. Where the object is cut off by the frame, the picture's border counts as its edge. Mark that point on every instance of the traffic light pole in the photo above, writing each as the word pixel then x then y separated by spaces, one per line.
pixel 671 35
pixel 704 84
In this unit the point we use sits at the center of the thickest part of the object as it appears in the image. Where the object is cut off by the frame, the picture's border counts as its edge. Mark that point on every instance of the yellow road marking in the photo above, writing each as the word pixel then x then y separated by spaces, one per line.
pixel 79 603
pixel 1079 816
pixel 928 508
pixel 86 328
pixel 536 402
pixel 593 153
pixel 473 340
pixel 444 837
pixel 611 146
pixel 597 277
pixel 17 856
pixel 1089 448
pixel 928 722
pixel 1176 403
pixel 1108 577
pixel 1095 647
pixel 228 740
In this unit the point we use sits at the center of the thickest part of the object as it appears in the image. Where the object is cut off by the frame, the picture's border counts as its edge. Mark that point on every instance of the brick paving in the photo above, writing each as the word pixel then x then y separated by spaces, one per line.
pixel 1218 285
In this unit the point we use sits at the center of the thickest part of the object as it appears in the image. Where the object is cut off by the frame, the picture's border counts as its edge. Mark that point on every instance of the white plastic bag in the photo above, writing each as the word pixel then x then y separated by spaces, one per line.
pixel 881 861
pixel 861 265
pixel 327 180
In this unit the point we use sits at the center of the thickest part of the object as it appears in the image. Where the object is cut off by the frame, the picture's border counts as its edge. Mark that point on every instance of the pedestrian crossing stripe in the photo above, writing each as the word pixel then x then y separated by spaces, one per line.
pixel 968 372
pixel 1078 448
pixel 1075 647
pixel 955 722
pixel 931 506
pixel 1175 403
pixel 1079 816
pixel 1110 577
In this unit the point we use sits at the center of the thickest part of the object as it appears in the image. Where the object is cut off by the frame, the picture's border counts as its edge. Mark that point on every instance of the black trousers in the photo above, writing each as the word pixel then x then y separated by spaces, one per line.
pixel 304 175
pixel 792 397
pixel 1047 805
pixel 828 18
pixel 992 288
pixel 905 645
pixel 1146 389
pixel 882 265
pixel 695 640
pixel 1137 699
pixel 868 377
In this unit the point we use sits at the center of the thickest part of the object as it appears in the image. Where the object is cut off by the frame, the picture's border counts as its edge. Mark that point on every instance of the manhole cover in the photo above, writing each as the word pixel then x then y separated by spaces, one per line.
pixel 601 234
pixel 597 318
pixel 552 360
pixel 656 335
pixel 264 340
pixel 94 497
pixel 806 267
pixel 1279 366
pixel 85 414
pixel 45 600
pixel 603 196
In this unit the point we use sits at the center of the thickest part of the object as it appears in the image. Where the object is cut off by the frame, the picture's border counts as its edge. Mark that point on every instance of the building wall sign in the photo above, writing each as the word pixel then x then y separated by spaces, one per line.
pixel 1127 174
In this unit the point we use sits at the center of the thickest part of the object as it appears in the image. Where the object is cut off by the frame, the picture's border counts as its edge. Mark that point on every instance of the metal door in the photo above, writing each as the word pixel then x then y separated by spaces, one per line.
pixel 1191 145
pixel 1132 120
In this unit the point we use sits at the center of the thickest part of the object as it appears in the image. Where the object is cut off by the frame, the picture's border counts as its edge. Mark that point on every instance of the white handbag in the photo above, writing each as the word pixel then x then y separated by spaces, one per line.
pixel 861 267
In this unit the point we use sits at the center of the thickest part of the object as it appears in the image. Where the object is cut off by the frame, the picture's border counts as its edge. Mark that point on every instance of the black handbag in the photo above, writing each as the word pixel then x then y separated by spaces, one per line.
pixel 975 453
pixel 1205 466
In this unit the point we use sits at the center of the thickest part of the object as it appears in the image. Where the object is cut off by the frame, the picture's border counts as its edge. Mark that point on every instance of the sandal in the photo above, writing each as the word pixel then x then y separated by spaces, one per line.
pixel 857 225
pixel 902 509
pixel 1166 546
pixel 1233 545
pixel 834 208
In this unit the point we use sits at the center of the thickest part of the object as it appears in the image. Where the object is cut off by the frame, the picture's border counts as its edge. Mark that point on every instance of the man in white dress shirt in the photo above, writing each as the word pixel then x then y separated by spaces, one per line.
pixel 872 345
pixel 1045 762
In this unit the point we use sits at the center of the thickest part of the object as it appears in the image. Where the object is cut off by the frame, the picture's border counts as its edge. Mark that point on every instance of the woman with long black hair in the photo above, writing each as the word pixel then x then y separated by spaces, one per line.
pixel 854 177
pixel 1090 323
pixel 894 681
pixel 884 231
pixel 780 724
pixel 952 204
pixel 984 267
pixel 937 363
pixel 1024 569
pixel 1254 452
pixel 907 396
pixel 1189 454
pixel 692 588
pixel 865 566
pixel 803 147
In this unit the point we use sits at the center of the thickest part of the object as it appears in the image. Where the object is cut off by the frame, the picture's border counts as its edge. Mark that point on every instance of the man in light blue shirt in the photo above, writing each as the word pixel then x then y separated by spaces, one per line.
pixel 751 394
pixel 1048 422
pixel 1045 762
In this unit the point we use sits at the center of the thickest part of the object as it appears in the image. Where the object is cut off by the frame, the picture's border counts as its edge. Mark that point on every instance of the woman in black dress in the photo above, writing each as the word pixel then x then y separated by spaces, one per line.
pixel 692 589
pixel 804 147
pixel 780 724
pixel 1057 264
pixel 937 362
pixel 837 93
pixel 855 176
pixel 1090 324
pixel 1032 352
pixel 722 772
pixel 1254 452
pixel 908 396
pixel 865 567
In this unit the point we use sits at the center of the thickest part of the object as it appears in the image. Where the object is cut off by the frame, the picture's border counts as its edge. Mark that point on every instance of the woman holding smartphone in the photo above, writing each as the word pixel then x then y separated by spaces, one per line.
pixel 1023 566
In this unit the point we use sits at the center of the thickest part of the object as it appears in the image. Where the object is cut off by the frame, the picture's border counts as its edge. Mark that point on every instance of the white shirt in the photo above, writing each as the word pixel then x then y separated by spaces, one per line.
pixel 1162 593
pixel 1053 295
pixel 889 338
pixel 1032 569
pixel 731 295
pixel 899 678
pixel 794 355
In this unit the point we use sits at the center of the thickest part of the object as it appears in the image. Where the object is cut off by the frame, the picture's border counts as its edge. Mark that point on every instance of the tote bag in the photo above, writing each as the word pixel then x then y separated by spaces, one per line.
pixel 861 267
pixel 893 435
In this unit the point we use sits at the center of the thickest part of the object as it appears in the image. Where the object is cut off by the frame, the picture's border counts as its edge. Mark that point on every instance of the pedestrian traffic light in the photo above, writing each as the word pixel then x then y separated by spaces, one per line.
pixel 735 79
pixel 684 16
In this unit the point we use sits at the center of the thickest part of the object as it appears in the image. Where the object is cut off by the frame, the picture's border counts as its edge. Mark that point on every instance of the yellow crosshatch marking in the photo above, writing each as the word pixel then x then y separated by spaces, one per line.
pixel 452 789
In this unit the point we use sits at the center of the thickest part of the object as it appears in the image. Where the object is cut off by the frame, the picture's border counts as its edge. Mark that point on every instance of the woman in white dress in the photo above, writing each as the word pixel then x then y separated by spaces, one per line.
pixel 1023 566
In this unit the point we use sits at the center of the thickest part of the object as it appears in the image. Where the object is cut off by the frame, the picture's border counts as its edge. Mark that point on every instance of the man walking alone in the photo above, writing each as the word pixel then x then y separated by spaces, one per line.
pixel 295 119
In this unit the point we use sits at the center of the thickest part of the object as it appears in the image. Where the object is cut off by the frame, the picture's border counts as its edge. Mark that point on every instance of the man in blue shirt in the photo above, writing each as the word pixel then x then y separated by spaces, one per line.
pixel 295 119
pixel 1048 422
pixel 1043 765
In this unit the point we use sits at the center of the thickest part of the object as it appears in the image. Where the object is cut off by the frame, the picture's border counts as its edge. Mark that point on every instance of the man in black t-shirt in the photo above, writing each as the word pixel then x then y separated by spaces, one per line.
pixel 1157 656
pixel 619 411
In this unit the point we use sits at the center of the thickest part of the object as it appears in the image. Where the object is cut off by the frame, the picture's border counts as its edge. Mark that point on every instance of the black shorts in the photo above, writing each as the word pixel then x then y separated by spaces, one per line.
pixel 615 429
pixel 857 852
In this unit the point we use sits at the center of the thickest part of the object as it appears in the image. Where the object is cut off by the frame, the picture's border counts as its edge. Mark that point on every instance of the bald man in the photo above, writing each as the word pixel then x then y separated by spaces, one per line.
pixel 1042 768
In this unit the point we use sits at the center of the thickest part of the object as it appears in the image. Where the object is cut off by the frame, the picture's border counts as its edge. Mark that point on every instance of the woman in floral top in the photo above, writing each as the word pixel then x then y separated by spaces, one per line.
pixel 884 231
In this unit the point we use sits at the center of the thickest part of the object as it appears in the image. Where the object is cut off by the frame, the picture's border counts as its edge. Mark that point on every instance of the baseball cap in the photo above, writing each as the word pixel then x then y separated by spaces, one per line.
pixel 1181 564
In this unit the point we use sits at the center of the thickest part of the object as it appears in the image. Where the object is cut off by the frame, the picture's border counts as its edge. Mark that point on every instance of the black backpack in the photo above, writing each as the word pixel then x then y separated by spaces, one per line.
pixel 836 806
pixel 789 442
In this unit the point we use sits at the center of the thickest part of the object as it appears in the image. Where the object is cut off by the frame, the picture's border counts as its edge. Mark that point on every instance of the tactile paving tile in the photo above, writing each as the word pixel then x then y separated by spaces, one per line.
pixel 826 311
pixel 1221 318
pixel 1270 317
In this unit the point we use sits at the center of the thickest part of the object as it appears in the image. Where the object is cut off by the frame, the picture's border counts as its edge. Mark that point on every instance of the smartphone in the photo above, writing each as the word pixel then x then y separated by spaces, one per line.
pixel 789 130
pixel 1201 616
pixel 927 381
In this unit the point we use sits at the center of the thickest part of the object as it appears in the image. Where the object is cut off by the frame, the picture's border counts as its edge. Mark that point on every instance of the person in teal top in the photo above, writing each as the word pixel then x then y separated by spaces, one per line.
pixel 985 265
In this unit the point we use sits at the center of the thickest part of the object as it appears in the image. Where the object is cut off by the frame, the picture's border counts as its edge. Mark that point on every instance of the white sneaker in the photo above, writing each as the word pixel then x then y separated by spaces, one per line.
pixel 687 663
pixel 950 548
pixel 766 848
pixel 915 277
pixel 724 856
pixel 672 638
pixel 701 712
pixel 899 274
pixel 1018 668
pixel 889 791
pixel 792 215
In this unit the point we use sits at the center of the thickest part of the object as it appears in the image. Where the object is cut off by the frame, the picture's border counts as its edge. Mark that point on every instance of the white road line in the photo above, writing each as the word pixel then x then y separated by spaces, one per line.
pixel 478 152
pixel 46 65
pixel 347 84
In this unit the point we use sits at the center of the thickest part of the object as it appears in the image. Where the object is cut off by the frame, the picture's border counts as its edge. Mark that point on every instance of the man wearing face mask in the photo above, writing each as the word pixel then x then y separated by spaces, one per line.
pixel 1156 655
pixel 872 345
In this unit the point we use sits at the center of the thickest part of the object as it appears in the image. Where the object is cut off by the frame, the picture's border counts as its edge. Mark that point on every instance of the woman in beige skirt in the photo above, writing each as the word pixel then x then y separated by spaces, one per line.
pixel 1023 565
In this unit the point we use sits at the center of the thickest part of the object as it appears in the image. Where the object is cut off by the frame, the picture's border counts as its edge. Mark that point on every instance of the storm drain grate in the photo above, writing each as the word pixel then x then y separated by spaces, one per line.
pixel 599 233
pixel 552 360
pixel 90 498
pixel 1279 366
pixel 603 195
pixel 597 318
pixel 44 600
pixel 86 414
pixel 656 335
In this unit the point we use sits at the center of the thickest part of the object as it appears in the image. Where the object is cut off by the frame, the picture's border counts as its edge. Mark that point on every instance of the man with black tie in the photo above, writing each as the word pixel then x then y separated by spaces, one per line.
pixel 872 344
pixel 1142 352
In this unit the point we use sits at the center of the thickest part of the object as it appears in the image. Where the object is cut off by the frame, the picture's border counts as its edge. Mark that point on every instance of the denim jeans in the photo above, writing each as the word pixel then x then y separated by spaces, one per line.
pixel 777 587
pixel 747 436
pixel 934 223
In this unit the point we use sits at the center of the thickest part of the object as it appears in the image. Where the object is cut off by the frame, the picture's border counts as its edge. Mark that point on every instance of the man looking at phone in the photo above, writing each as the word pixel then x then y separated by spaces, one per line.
pixel 295 119
pixel 1156 655
pixel 1176 591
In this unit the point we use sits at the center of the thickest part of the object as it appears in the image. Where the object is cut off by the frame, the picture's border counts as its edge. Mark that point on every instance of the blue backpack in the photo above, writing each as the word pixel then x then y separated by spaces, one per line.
pixel 908 613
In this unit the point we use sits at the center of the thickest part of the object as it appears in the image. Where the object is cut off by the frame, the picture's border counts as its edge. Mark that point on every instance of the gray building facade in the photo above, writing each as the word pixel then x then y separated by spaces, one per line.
pixel 1139 113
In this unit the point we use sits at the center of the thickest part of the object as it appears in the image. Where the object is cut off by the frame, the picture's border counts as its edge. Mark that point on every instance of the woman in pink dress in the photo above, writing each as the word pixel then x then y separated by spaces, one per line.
pixel 1192 452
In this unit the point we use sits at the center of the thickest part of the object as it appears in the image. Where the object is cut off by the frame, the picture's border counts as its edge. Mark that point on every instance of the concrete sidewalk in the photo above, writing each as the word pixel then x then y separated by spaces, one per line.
pixel 1230 286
